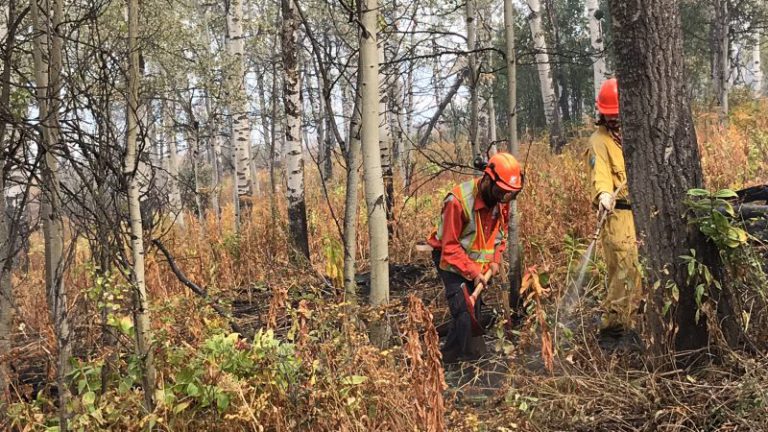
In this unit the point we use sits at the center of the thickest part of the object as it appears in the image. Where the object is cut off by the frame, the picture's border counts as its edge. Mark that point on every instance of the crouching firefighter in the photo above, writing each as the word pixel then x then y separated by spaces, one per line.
pixel 468 246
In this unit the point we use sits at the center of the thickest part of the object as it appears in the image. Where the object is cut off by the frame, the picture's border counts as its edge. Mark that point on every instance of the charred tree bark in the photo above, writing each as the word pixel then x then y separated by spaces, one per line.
pixel 662 159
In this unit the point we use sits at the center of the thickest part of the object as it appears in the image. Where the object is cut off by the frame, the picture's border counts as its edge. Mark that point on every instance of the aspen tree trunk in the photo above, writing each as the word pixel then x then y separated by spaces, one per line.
pixel 172 161
pixel 348 98
pixel 492 136
pixel 399 144
pixel 297 211
pixel 236 201
pixel 141 304
pixel 263 109
pixel 661 167
pixel 351 199
pixel 407 147
pixel 721 63
pixel 277 134
pixel 326 119
pixel 48 77
pixel 6 289
pixel 265 122
pixel 374 183
pixel 514 251
pixel 212 135
pixel 757 69
pixel 545 74
pixel 193 138
pixel 6 256
pixel 599 71
pixel 437 75
pixel 215 176
pixel 238 108
pixel 385 146
pixel 471 16
pixel 252 151
pixel 214 150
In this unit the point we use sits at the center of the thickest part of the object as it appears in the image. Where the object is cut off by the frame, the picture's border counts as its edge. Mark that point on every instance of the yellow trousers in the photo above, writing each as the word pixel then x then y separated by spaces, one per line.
pixel 623 280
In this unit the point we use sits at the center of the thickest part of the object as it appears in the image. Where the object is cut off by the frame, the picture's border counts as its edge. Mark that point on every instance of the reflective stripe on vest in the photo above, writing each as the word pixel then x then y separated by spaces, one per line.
pixel 478 248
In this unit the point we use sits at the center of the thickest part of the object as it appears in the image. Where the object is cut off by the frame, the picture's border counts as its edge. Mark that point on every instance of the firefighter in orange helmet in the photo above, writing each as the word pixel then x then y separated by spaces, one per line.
pixel 608 173
pixel 469 240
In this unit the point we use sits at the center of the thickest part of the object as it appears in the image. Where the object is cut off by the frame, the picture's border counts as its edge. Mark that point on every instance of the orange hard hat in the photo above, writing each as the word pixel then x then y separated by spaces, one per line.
pixel 608 98
pixel 504 170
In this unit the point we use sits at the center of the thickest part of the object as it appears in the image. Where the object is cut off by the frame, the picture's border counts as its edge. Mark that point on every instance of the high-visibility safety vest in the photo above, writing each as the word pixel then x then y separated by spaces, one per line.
pixel 479 248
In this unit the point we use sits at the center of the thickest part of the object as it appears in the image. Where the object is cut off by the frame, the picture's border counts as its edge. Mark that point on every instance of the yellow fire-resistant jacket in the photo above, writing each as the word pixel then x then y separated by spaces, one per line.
pixel 606 163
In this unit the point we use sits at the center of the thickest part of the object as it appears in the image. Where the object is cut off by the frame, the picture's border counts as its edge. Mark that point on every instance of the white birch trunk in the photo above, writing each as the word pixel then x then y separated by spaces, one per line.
pixel 757 66
pixel 542 61
pixel 374 183
pixel 238 108
pixel 172 163
pixel 141 303
pixel 297 213
pixel 48 82
pixel 599 71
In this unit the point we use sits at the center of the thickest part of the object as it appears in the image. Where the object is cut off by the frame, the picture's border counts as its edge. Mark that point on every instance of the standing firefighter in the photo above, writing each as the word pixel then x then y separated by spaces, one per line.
pixel 469 243
pixel 618 235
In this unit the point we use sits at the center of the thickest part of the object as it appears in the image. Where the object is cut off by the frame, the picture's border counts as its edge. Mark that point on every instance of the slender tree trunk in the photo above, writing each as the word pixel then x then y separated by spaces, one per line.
pixel 6 293
pixel 470 18
pixel 193 138
pixel 326 117
pixel 238 108
pixel 351 199
pixel 721 63
pixel 374 184
pixel 263 109
pixel 400 144
pixel 6 255
pixel 141 304
pixel 513 230
pixel 409 106
pixel 172 162
pixel 385 146
pixel 348 97
pixel 661 167
pixel 757 69
pixel 212 137
pixel 48 77
pixel 492 135
pixel 277 134
pixel 545 74
pixel 437 74
pixel 599 71
pixel 297 211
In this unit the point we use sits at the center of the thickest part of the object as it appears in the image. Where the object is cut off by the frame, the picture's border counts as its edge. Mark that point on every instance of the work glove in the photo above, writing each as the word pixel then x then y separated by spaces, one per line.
pixel 606 202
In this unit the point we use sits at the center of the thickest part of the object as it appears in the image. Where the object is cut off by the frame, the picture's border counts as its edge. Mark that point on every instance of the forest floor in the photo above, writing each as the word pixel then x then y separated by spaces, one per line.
pixel 316 368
